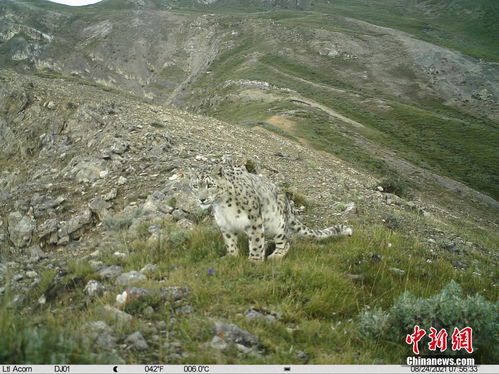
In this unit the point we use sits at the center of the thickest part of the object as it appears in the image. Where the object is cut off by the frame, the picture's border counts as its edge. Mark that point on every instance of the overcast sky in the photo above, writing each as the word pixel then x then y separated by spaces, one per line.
pixel 76 2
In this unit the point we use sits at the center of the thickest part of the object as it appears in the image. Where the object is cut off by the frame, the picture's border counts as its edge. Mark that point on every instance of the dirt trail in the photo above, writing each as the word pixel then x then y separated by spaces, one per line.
pixel 318 85
pixel 326 109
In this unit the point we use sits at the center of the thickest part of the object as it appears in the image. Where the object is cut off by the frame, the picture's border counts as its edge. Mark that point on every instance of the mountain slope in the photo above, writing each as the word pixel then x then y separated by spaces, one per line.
pixel 93 189
pixel 399 88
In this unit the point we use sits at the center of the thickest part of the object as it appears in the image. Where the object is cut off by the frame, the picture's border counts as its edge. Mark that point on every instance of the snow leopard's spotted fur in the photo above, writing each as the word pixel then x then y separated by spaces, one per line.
pixel 249 203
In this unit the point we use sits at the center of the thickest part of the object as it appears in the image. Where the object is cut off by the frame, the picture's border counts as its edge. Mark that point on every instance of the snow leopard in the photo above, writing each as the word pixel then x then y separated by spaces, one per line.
pixel 248 203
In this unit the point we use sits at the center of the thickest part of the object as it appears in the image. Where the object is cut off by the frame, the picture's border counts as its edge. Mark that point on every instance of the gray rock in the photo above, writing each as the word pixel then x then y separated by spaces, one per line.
pixel 110 195
pixel 149 311
pixel 73 226
pixel 63 240
pixel 218 343
pixel 156 204
pixel 100 207
pixel 185 223
pixel 42 203
pixel 120 254
pixel 257 315
pixel 110 272
pixel 121 181
pixel 100 334
pixel 87 170
pixel 137 292
pixel 20 229
pixel 116 315
pixel 179 191
pixel 232 334
pixel 174 293
pixel 175 351
pixel 392 199
pixel 131 277
pixel 3 269
pixel 179 214
pixel 96 265
pixel 119 146
pixel 357 277
pixel 137 341
pixel 31 274
pixel 35 253
pixel 161 325
pixel 149 269
pixel 302 355
pixel 47 228
pixel 94 288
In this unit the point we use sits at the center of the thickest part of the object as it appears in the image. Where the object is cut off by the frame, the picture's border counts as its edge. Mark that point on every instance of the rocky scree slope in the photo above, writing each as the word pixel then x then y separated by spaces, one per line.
pixel 71 161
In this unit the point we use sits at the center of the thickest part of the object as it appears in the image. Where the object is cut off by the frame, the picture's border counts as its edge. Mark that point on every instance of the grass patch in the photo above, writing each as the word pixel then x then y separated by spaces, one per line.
pixel 41 338
pixel 312 291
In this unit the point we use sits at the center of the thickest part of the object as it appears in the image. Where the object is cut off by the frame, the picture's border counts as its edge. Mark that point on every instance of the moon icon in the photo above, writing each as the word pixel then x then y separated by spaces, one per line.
pixel 115 369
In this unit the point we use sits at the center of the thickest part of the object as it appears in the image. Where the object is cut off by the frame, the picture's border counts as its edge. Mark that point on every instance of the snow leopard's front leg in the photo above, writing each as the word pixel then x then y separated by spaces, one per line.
pixel 256 240
pixel 230 240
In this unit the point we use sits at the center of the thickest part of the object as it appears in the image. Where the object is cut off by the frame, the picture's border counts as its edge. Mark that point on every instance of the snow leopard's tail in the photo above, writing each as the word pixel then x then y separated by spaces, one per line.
pixel 299 228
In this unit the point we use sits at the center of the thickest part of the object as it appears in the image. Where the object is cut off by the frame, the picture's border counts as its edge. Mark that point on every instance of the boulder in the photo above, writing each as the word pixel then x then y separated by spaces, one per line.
pixel 100 207
pixel 20 229
pixel 131 277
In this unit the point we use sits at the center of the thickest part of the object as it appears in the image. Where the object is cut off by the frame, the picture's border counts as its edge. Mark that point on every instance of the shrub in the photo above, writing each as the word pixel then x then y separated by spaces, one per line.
pixel 120 223
pixel 393 221
pixel 397 185
pixel 445 310
pixel 296 197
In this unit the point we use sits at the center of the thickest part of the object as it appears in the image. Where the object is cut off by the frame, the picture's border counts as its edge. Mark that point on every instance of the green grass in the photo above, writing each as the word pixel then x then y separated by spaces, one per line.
pixel 427 134
pixel 40 338
pixel 311 290
pixel 465 25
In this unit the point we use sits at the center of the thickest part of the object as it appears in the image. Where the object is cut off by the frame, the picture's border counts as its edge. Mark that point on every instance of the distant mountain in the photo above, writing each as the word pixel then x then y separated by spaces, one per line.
pixel 419 77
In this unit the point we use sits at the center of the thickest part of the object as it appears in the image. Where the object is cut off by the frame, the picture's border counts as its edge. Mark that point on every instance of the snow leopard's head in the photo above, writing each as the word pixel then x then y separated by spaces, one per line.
pixel 206 185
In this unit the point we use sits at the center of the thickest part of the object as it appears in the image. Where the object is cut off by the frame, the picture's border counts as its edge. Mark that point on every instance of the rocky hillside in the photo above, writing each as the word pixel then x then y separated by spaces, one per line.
pixel 324 68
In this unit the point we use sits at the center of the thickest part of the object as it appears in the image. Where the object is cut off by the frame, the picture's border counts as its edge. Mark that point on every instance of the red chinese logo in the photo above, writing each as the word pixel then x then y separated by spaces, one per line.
pixel 461 339
pixel 437 340
pixel 415 338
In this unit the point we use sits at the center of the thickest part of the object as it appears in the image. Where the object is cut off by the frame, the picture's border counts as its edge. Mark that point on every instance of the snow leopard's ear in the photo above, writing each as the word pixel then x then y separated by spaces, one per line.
pixel 220 171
